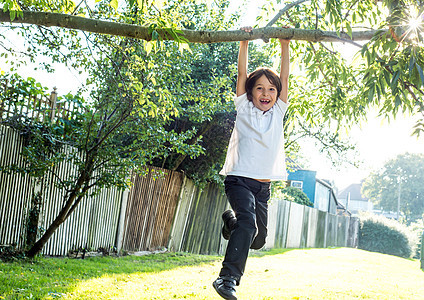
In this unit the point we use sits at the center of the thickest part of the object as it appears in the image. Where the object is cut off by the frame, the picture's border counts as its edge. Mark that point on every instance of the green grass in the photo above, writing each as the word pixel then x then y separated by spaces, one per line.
pixel 340 273
pixel 50 278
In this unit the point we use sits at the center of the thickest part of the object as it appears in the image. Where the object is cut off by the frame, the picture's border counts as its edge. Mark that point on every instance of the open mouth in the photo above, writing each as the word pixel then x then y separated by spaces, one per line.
pixel 263 101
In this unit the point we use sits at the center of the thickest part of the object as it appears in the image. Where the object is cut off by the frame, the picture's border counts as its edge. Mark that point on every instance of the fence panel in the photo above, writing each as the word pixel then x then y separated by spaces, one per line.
pixel 282 223
pixel 181 215
pixel 320 238
pixel 312 228
pixel 272 223
pixel 15 191
pixel 331 230
pixel 342 231
pixel 203 229
pixel 294 231
pixel 352 237
pixel 305 226
pixel 151 207
pixel 92 224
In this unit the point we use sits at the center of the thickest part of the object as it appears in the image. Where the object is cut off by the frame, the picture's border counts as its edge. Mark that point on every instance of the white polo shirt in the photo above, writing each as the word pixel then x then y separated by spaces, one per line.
pixel 256 148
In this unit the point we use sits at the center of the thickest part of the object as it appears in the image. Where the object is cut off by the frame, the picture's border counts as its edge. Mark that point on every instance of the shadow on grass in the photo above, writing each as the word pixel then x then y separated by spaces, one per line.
pixel 47 278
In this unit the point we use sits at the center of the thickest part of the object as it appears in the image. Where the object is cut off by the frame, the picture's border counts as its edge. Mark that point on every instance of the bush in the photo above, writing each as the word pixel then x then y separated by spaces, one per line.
pixel 296 195
pixel 417 229
pixel 379 234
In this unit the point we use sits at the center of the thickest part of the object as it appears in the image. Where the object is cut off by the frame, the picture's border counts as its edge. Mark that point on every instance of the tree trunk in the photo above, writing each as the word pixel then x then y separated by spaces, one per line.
pixel 32 220
pixel 193 36
pixel 72 201
pixel 61 217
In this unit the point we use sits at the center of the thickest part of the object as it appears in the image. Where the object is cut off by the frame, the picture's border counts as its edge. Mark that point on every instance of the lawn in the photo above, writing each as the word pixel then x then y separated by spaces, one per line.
pixel 340 273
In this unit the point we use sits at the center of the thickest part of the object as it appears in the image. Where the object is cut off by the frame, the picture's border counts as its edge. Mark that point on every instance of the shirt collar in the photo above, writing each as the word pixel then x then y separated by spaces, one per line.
pixel 259 112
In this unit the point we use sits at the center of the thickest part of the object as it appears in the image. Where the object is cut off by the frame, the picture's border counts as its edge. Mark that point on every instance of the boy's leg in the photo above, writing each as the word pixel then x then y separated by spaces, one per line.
pixel 249 199
pixel 243 203
pixel 261 219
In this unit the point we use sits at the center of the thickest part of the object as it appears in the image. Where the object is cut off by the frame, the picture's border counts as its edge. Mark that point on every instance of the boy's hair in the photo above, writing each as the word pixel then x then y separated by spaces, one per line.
pixel 255 75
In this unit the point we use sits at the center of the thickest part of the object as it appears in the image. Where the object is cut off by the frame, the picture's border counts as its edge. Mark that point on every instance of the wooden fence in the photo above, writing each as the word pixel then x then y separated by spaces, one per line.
pixel 21 99
pixel 163 209
pixel 197 228
pixel 150 209
pixel 93 223
pixel 15 191
pixel 292 225
pixel 197 224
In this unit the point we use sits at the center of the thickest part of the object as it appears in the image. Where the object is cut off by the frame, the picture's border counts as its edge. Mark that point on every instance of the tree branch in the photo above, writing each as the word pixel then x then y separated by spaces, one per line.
pixel 192 36
pixel 282 11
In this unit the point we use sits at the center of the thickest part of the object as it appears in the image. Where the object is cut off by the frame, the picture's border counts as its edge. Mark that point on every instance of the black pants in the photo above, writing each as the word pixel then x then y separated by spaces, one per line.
pixel 249 200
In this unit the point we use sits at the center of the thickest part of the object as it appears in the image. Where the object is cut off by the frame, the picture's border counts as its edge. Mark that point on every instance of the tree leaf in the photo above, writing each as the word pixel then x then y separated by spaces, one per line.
pixel 184 46
pixel 420 71
pixel 148 47
pixel 349 29
pixel 411 65
pixel 395 79
pixel 371 93
pixel 114 4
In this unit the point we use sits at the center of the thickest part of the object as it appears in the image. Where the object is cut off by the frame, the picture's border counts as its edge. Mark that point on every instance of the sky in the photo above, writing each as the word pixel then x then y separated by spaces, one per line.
pixel 377 140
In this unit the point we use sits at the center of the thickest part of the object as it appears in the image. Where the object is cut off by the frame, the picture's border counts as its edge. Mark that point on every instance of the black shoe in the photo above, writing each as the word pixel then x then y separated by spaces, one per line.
pixel 225 286
pixel 229 223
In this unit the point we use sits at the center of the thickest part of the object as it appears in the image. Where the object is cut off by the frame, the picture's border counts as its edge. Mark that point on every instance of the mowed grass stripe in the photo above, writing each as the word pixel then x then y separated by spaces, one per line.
pixel 340 273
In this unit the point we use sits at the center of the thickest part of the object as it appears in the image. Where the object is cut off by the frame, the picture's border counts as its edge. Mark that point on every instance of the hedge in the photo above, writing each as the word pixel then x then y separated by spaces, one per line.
pixel 379 234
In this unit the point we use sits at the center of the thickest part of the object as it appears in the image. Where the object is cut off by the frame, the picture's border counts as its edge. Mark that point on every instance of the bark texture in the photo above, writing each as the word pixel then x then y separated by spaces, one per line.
pixel 193 36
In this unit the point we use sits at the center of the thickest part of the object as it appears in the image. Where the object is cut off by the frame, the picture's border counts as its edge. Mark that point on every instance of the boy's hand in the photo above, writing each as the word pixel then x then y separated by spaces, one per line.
pixel 284 41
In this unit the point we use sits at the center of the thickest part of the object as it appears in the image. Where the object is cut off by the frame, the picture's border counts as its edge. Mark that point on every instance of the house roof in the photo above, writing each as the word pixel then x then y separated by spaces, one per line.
pixel 292 165
pixel 355 192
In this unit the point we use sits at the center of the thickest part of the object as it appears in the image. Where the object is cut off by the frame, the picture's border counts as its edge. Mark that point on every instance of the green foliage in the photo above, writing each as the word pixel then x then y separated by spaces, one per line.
pixel 296 195
pixel 387 73
pixel 379 234
pixel 417 229
pixel 324 95
pixel 177 98
pixel 43 139
pixel 17 90
pixel 13 7
pixel 405 175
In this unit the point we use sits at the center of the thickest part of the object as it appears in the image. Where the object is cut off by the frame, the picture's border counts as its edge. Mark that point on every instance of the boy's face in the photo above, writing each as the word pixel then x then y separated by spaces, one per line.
pixel 264 94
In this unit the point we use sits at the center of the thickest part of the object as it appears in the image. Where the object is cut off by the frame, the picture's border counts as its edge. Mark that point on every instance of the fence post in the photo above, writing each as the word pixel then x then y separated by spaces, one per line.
pixel 421 252
pixel 121 221
pixel 53 104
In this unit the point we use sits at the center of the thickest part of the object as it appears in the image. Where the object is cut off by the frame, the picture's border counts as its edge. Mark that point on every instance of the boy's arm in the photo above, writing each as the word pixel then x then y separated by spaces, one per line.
pixel 242 68
pixel 285 69
pixel 242 65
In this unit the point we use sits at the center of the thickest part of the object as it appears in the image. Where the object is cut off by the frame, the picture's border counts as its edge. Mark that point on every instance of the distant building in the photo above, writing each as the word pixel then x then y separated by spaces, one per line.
pixel 353 200
pixel 319 192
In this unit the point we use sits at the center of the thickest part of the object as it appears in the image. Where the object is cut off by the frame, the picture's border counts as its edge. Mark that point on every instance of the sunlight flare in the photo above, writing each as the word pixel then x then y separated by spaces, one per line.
pixel 415 24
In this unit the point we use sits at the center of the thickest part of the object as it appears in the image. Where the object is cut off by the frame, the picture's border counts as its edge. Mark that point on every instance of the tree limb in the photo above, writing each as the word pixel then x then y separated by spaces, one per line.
pixel 282 11
pixel 193 36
